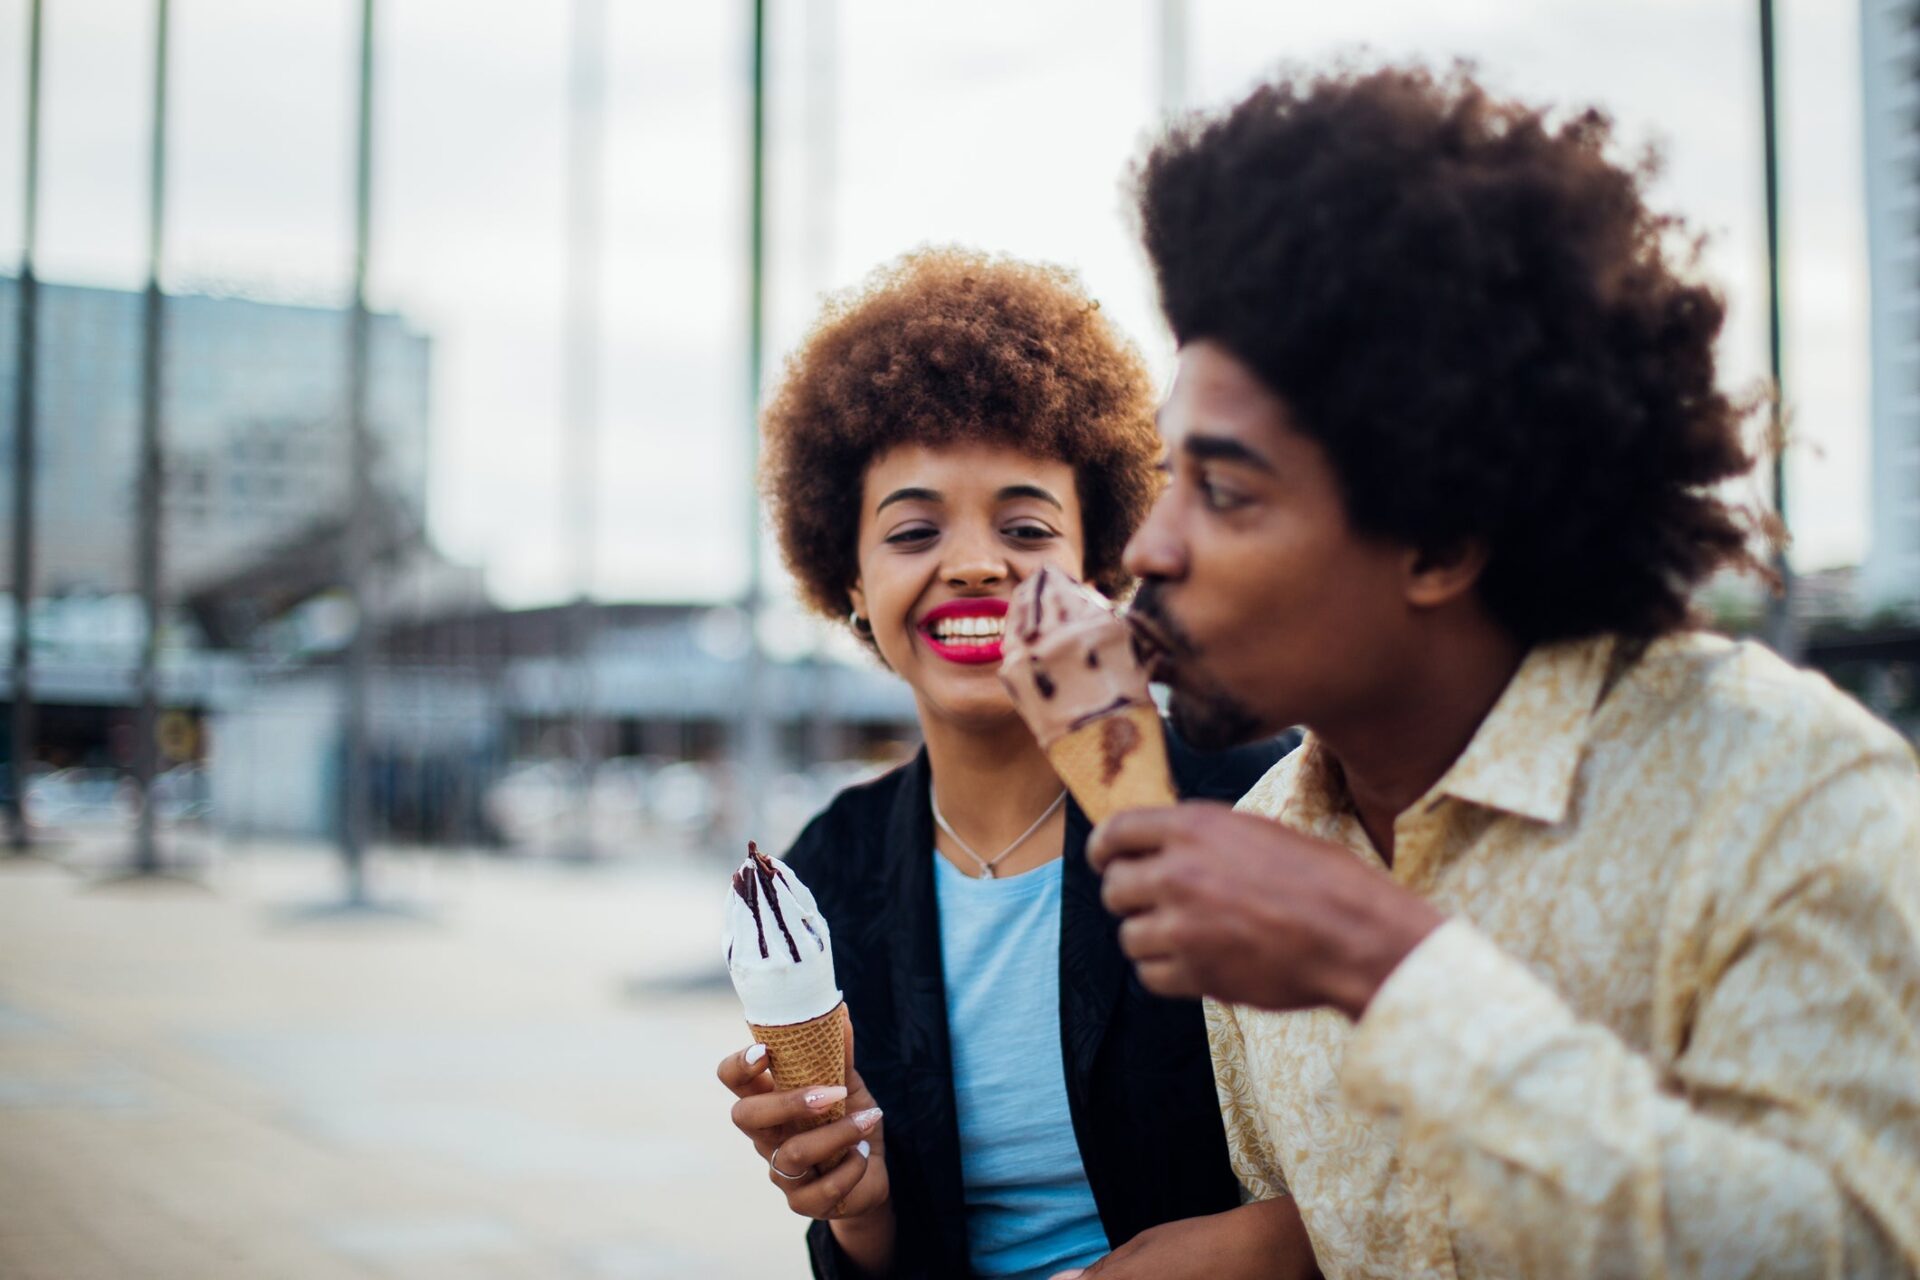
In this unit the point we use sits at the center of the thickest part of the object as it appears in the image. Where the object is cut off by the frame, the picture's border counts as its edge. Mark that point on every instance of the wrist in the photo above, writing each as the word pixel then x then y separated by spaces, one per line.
pixel 867 1239
pixel 1368 955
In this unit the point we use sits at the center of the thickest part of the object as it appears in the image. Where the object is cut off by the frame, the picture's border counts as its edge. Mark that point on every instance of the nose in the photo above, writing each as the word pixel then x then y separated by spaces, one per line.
pixel 1157 549
pixel 973 563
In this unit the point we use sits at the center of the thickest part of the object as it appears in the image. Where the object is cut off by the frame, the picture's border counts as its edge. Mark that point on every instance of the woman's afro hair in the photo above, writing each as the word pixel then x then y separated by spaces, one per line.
pixel 945 347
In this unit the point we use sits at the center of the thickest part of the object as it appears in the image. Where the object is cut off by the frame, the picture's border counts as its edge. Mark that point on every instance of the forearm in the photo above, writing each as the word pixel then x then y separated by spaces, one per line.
pixel 1264 1240
pixel 1670 1192
pixel 1278 1239
pixel 1564 1152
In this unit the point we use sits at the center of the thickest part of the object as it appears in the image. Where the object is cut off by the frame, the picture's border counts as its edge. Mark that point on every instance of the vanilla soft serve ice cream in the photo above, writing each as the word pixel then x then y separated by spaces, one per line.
pixel 779 951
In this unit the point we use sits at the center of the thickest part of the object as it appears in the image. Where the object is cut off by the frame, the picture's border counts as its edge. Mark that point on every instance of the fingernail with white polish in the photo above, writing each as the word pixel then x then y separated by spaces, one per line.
pixel 755 1053
pixel 863 1148
pixel 865 1120
pixel 821 1098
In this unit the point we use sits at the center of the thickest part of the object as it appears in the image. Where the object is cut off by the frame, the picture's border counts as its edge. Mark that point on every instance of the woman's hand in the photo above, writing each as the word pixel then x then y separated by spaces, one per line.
pixel 853 1197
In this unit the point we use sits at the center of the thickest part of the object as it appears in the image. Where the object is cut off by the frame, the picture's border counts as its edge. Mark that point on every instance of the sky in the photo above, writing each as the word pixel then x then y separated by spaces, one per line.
pixel 1008 125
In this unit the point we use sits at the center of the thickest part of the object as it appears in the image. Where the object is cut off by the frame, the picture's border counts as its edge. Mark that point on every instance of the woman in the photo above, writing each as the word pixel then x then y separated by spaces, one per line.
pixel 941 435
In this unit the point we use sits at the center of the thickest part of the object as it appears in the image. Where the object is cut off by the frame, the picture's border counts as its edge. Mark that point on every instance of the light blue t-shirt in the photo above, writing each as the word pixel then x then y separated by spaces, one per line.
pixel 1030 1211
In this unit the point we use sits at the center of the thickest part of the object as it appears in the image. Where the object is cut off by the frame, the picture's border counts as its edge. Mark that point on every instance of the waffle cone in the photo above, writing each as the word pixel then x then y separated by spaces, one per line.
pixel 1117 762
pixel 811 1052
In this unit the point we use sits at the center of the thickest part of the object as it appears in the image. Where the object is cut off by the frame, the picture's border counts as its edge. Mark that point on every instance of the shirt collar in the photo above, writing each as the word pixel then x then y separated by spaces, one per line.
pixel 1525 757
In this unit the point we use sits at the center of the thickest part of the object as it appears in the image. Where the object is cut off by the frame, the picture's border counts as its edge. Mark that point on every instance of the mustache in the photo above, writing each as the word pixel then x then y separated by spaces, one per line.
pixel 1155 630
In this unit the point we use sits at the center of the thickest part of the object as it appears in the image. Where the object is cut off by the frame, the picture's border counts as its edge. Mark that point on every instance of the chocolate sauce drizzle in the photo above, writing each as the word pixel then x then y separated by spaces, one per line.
pixel 1122 701
pixel 756 881
pixel 1118 738
pixel 1043 684
pixel 1034 616
pixel 748 887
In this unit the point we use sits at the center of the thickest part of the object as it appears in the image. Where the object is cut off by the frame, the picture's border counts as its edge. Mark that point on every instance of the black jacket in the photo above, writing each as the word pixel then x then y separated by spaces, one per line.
pixel 1139 1080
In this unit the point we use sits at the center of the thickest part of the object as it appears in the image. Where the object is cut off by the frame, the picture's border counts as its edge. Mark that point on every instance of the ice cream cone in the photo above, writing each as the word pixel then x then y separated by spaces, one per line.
pixel 811 1052
pixel 1115 762
pixel 780 957
pixel 1070 665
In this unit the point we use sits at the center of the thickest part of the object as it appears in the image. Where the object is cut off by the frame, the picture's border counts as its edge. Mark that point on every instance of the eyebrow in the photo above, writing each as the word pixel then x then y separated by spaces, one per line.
pixel 934 495
pixel 1027 491
pixel 1222 449
pixel 910 495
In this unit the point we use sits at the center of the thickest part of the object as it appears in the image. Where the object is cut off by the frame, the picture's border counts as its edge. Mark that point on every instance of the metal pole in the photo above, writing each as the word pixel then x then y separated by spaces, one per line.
pixel 354 780
pixel 147 549
pixel 823 154
pixel 586 152
pixel 26 373
pixel 1782 629
pixel 1173 57
pixel 756 732
pixel 823 142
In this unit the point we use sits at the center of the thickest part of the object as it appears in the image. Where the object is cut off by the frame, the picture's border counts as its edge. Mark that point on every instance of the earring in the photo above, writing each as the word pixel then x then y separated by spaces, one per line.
pixel 860 625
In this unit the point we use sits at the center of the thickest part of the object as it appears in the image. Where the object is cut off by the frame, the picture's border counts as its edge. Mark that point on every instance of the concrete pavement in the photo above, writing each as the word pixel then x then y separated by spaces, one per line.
pixel 195 1085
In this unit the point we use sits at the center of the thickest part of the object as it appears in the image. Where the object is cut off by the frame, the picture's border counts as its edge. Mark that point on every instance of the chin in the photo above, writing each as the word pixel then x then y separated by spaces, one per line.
pixel 1207 715
pixel 971 702
pixel 1213 723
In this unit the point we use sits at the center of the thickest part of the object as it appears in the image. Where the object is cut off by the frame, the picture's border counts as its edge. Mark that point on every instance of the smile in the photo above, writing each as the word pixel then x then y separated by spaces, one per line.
pixel 965 631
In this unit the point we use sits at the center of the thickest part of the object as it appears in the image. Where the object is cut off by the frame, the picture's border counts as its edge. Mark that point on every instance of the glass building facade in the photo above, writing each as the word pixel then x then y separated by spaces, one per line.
pixel 254 428
pixel 1890 62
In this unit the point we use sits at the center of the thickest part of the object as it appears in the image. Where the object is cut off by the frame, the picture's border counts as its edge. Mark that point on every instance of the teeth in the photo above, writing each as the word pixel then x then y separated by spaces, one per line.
pixel 978 630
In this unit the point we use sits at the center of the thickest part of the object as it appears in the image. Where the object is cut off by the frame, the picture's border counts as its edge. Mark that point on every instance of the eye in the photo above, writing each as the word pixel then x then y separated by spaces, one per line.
pixel 1030 532
pixel 912 535
pixel 1216 496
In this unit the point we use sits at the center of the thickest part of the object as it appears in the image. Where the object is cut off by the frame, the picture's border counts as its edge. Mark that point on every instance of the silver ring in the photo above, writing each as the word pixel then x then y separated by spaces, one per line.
pixel 773 1163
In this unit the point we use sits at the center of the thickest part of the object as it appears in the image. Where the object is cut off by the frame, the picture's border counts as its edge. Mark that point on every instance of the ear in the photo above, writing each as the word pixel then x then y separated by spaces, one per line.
pixel 857 596
pixel 1438 577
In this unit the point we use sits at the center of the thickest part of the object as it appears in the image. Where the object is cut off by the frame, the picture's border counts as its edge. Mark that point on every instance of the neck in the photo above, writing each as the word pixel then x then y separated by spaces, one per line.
pixel 993 780
pixel 1393 751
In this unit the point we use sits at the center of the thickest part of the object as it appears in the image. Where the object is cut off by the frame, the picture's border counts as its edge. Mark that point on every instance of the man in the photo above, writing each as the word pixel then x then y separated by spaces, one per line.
pixel 1574 942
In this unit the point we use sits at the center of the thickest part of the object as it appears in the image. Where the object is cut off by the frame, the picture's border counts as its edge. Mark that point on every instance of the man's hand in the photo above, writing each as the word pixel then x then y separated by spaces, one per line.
pixel 1261 1241
pixel 1245 910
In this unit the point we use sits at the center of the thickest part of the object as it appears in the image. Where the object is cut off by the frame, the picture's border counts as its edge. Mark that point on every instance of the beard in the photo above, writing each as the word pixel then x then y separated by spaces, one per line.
pixel 1211 720
pixel 1204 713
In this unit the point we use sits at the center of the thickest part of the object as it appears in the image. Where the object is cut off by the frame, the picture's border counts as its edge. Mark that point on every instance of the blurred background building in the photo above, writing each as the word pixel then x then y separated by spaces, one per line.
pixel 475 707
pixel 1890 128
pixel 257 448
pixel 474 717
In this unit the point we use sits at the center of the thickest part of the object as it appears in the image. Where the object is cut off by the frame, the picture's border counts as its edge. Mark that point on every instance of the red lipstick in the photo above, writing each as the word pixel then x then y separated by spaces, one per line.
pixel 968 645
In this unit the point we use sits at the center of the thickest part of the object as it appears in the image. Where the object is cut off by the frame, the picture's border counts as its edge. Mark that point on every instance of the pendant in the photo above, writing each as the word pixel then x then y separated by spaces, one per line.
pixel 986 873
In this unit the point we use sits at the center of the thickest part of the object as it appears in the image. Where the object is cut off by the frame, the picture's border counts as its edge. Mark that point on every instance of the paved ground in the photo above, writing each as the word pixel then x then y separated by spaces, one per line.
pixel 197 1085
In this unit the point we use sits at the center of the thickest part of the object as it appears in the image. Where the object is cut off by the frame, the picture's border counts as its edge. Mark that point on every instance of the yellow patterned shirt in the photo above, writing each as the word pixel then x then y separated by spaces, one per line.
pixel 1673 1026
